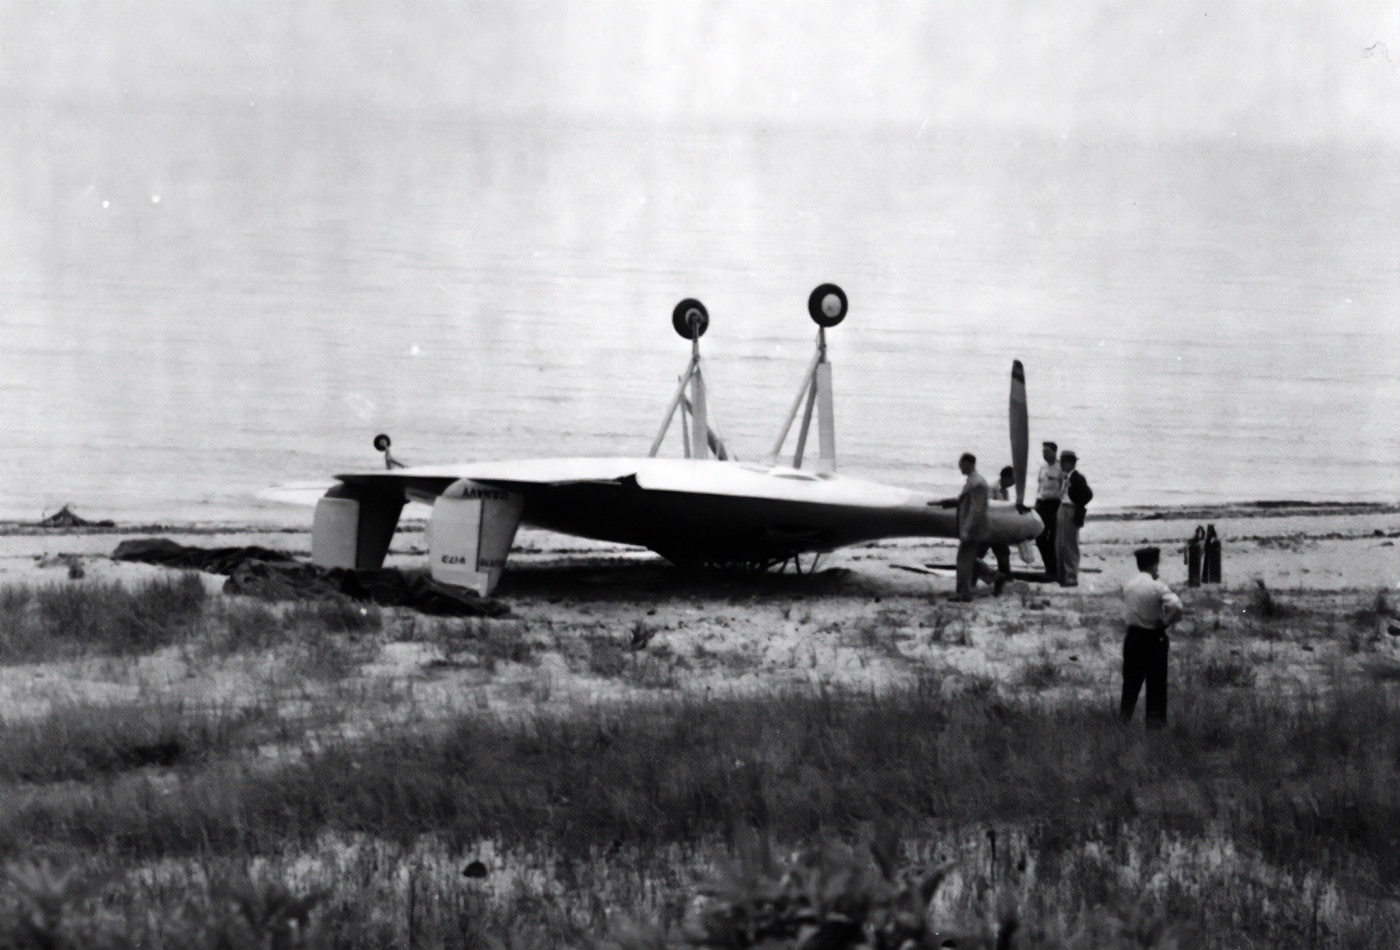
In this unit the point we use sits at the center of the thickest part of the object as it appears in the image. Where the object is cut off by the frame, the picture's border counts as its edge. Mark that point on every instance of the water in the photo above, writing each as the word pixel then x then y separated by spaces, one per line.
pixel 203 297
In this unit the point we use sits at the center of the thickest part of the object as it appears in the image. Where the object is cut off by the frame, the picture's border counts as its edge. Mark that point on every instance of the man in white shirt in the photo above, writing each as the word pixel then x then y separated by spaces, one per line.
pixel 1050 485
pixel 1149 608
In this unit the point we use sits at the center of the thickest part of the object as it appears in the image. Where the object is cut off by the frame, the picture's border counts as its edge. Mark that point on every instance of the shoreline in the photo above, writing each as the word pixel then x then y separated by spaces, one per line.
pixel 1267 508
pixel 1312 546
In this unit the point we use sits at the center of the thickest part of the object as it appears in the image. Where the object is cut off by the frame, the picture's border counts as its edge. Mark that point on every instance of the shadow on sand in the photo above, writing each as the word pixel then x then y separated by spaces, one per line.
pixel 613 579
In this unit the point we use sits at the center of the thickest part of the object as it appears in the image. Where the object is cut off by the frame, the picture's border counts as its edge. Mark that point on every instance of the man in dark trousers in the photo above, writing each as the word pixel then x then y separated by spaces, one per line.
pixel 972 531
pixel 1050 485
pixel 1073 502
pixel 1149 607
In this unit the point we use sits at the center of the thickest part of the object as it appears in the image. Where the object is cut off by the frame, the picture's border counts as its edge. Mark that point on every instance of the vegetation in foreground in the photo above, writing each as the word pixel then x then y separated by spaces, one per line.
pixel 1256 819
pixel 56 621
pixel 1306 791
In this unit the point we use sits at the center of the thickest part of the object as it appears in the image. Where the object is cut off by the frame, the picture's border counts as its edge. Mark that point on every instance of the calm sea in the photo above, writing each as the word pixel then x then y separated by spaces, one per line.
pixel 198 303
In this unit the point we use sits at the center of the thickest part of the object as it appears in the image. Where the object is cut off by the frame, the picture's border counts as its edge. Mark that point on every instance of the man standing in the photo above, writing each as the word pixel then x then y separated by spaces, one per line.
pixel 1149 608
pixel 972 530
pixel 1050 485
pixel 1070 518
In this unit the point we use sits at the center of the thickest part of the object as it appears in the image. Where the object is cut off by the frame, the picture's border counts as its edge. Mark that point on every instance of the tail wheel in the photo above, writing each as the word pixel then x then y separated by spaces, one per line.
pixel 690 318
pixel 827 305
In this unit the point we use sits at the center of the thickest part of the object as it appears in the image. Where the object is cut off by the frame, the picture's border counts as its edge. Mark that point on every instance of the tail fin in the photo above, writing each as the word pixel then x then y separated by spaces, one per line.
pixel 352 527
pixel 471 531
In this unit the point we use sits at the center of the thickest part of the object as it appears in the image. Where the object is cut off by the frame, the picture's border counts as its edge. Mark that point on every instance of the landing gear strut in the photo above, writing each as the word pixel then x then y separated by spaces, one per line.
pixel 381 444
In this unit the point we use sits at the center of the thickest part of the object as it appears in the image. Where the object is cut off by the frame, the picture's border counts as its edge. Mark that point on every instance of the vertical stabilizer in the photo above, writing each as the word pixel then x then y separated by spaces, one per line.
pixel 472 529
pixel 352 528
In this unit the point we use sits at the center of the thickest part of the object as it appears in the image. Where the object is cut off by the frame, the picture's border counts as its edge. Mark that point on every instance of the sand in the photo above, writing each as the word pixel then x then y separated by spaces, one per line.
pixel 1309 547
pixel 863 620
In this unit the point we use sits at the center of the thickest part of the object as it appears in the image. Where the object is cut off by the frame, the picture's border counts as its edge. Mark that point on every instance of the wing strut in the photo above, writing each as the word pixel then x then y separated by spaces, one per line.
pixel 690 320
pixel 827 307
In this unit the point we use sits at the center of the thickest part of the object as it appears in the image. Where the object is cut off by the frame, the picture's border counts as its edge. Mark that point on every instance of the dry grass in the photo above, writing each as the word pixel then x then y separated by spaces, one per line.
pixel 1257 819
pixel 1263 606
pixel 80 742
pixel 83 619
pixel 1231 670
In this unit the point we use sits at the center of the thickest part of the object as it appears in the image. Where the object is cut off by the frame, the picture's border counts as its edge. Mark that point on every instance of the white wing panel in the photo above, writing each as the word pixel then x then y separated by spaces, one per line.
pixel 526 471
pixel 696 476
pixel 777 483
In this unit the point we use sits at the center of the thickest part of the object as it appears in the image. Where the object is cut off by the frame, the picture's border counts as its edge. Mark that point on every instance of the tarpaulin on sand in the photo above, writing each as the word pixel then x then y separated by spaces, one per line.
pixel 263 572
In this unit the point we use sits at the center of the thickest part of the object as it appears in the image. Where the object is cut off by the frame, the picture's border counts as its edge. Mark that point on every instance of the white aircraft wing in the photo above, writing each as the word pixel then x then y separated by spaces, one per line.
pixel 689 476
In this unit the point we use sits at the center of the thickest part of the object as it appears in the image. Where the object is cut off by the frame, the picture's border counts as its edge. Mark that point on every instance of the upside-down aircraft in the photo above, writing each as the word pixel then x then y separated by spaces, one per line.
pixel 705 508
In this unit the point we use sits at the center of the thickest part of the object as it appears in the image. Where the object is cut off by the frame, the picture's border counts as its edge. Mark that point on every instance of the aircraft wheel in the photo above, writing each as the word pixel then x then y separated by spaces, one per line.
pixel 827 305
pixel 690 318
pixel 381 442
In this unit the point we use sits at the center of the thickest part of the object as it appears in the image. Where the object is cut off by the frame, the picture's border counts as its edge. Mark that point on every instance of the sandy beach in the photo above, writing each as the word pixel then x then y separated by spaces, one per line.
pixel 870 616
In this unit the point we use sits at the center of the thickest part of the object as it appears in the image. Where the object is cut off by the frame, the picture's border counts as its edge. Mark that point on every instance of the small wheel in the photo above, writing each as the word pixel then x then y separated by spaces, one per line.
pixel 690 318
pixel 827 305
pixel 381 443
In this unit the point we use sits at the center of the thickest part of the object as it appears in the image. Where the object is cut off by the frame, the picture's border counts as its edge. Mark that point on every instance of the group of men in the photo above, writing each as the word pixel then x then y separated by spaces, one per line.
pixel 1062 494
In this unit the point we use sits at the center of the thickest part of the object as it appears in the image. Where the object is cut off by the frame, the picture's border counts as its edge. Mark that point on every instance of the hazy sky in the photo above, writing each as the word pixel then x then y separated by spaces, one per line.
pixel 1282 71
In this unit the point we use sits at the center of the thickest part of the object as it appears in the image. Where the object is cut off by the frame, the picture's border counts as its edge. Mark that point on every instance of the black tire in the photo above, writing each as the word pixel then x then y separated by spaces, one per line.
pixel 826 298
pixel 690 318
pixel 381 442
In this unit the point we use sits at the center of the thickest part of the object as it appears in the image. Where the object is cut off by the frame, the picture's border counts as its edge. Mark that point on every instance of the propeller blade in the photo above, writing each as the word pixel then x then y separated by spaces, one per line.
pixel 1020 430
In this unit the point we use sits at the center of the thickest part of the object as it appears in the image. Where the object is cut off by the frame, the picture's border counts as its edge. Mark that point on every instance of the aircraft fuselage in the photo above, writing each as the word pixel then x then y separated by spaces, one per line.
pixel 704 510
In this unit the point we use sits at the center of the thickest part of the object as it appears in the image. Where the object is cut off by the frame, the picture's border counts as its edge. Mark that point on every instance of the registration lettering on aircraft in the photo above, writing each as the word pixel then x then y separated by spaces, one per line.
pixel 482 564
pixel 487 494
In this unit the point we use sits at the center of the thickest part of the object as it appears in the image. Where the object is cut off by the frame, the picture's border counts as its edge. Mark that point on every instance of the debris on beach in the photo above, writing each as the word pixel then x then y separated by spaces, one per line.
pixel 276 575
pixel 66 518
pixel 73 562
pixel 169 553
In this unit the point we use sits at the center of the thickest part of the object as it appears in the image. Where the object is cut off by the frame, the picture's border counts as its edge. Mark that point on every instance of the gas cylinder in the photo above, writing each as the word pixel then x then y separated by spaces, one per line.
pixel 1210 568
pixel 1195 550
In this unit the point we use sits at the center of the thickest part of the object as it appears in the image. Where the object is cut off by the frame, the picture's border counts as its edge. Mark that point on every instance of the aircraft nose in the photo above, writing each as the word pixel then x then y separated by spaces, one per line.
pixel 1036 521
pixel 1016 526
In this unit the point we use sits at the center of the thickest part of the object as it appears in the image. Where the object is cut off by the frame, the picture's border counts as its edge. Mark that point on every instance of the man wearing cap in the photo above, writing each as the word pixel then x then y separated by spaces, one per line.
pixel 1050 484
pixel 1149 608
pixel 1070 518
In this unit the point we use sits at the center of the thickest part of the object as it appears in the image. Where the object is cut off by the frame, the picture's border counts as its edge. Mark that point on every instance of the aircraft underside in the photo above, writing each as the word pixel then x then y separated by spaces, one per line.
pixel 692 527
pixel 690 512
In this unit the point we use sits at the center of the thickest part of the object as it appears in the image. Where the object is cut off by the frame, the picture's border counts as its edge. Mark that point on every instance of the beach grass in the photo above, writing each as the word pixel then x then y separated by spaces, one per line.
pixel 76 619
pixel 87 741
pixel 1303 784
pixel 1260 817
